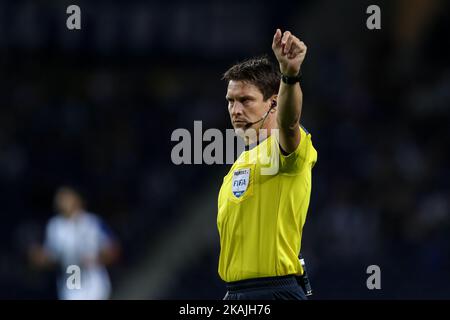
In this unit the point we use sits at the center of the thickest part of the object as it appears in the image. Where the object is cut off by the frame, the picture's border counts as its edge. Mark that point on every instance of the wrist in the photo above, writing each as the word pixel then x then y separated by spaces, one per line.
pixel 290 72
pixel 289 79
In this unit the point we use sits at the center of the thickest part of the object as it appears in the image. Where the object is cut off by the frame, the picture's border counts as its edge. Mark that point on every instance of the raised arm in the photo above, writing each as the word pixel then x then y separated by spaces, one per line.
pixel 290 53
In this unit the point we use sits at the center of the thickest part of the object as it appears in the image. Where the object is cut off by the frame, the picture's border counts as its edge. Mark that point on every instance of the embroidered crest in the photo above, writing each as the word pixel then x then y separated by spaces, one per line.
pixel 241 180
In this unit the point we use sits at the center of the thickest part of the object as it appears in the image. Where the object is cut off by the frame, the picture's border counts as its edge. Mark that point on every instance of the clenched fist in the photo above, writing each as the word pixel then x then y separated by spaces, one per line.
pixel 289 51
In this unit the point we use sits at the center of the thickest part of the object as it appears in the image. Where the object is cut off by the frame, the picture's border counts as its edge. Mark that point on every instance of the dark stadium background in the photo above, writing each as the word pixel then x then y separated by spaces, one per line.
pixel 95 108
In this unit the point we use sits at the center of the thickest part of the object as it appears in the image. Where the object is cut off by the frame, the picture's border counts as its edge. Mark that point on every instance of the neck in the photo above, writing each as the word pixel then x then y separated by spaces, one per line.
pixel 252 139
pixel 73 214
pixel 258 132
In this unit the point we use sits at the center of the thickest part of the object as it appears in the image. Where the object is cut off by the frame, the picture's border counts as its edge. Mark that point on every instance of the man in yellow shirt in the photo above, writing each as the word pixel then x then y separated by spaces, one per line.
pixel 264 198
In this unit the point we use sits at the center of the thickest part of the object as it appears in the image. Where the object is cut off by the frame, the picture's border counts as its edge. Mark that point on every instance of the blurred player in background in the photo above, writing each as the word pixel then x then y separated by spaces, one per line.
pixel 261 216
pixel 77 237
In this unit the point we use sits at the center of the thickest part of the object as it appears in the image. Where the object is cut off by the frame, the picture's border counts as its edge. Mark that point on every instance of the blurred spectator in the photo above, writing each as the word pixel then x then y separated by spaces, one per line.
pixel 76 237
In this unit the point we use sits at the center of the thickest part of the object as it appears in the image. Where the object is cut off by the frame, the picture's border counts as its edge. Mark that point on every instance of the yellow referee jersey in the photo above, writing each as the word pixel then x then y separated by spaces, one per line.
pixel 262 208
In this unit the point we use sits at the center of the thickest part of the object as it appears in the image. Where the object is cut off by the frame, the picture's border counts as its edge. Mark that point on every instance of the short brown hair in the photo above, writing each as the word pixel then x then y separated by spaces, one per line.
pixel 259 71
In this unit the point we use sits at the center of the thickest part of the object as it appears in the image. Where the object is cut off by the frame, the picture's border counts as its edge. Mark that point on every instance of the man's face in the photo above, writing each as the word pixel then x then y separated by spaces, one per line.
pixel 67 202
pixel 245 104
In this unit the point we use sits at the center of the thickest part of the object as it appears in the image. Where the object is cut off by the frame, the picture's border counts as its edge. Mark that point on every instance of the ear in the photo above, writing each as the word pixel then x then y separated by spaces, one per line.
pixel 273 103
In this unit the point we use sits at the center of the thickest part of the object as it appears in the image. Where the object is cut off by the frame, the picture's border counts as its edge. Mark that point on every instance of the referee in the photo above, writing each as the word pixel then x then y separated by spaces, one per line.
pixel 261 216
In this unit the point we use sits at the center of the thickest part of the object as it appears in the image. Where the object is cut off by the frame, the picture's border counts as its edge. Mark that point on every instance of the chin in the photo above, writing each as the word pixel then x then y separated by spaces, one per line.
pixel 239 131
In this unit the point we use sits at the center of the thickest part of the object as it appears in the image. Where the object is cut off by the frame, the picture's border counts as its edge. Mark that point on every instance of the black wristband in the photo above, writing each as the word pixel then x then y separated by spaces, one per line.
pixel 290 79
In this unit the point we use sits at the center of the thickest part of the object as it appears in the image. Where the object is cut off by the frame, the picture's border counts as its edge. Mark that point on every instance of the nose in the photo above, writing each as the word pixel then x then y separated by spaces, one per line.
pixel 236 108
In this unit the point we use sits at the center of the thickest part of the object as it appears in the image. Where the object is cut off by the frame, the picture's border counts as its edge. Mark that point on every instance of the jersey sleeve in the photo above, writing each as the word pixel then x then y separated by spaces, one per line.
pixel 305 156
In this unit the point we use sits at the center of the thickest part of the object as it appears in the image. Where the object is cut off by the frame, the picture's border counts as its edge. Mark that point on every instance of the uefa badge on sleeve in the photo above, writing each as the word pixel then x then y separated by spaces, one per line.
pixel 241 180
